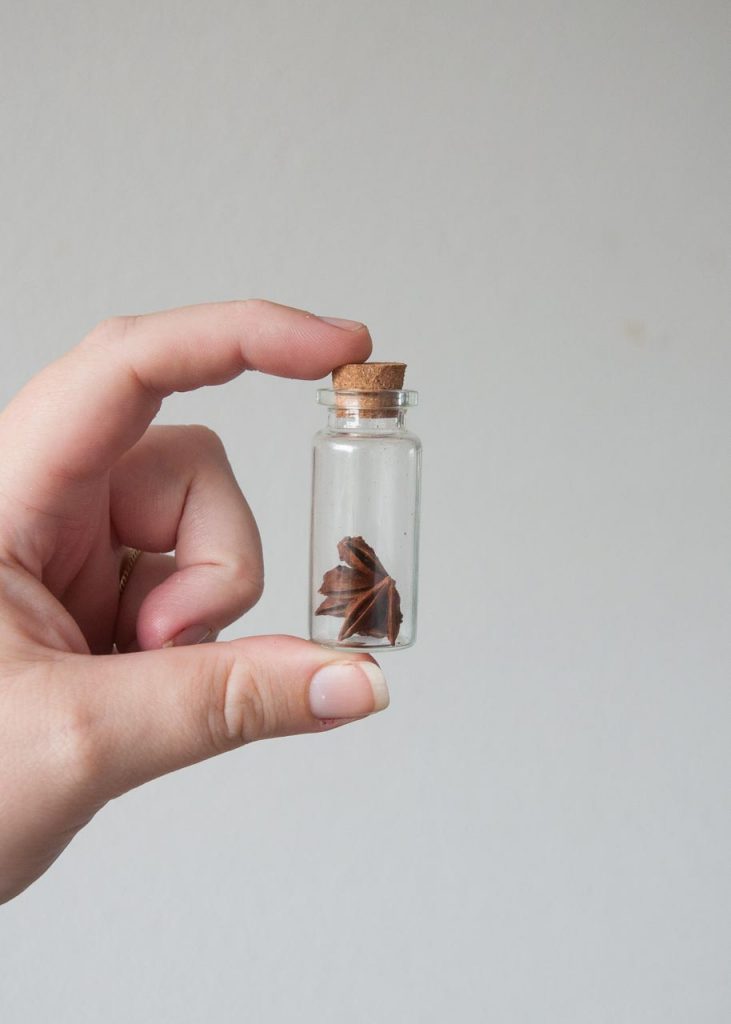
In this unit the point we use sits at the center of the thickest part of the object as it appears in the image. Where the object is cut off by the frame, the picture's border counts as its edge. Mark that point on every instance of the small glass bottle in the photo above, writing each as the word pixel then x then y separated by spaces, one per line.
pixel 365 512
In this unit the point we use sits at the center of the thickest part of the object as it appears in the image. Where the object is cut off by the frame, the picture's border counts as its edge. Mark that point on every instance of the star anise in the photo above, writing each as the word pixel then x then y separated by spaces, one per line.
pixel 361 593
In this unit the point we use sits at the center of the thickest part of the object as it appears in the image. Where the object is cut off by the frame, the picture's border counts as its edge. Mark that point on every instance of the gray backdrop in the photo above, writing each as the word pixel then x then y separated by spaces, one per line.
pixel 529 203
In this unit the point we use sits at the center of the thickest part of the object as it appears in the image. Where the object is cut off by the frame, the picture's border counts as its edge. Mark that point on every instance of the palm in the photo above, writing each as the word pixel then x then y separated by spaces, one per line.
pixel 75 555
pixel 83 572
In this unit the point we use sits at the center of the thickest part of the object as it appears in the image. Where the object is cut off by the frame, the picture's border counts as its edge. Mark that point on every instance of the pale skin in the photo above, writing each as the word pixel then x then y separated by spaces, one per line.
pixel 83 478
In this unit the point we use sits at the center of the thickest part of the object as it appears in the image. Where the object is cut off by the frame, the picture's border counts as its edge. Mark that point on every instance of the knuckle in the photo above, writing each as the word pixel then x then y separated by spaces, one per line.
pixel 254 587
pixel 247 579
pixel 242 705
pixel 78 752
pixel 254 307
pixel 203 440
pixel 111 330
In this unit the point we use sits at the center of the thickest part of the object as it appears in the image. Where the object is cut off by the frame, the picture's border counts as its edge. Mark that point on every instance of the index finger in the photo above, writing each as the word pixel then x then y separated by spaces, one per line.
pixel 82 412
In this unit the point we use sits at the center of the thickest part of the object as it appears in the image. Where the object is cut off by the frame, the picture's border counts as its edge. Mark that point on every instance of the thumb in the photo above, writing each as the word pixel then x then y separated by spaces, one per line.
pixel 151 712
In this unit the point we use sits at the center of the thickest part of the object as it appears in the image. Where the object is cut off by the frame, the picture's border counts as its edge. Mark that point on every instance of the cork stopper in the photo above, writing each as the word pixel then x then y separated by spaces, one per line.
pixel 370 378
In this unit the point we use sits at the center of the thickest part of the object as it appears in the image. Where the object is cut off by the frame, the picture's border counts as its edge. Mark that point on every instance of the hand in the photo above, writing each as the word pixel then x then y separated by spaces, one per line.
pixel 84 477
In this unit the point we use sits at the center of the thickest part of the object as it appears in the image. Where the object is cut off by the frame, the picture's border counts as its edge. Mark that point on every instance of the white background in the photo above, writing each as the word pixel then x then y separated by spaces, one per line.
pixel 529 203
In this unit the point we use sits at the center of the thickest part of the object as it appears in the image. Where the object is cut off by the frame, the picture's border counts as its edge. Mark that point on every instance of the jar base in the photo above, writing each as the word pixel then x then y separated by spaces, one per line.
pixel 364 647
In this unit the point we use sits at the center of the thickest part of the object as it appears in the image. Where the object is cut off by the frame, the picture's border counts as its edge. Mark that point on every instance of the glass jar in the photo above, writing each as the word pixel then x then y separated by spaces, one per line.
pixel 365 520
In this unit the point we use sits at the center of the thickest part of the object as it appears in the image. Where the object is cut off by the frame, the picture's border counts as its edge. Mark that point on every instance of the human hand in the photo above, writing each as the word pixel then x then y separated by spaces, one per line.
pixel 84 477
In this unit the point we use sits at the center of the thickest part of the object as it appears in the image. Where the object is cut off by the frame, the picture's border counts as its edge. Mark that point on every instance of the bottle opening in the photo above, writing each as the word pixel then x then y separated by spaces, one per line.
pixel 348 401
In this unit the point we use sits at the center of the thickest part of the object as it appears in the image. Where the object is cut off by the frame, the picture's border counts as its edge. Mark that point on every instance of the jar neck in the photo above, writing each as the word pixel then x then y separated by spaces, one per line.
pixel 363 421
pixel 367 412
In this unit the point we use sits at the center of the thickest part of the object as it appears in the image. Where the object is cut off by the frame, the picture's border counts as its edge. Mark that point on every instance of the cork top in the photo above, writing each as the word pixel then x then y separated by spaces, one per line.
pixel 372 390
pixel 369 376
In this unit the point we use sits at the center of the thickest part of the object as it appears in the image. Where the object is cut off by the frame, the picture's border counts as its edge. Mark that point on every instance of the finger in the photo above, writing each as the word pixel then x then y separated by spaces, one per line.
pixel 81 413
pixel 175 489
pixel 150 713
pixel 150 571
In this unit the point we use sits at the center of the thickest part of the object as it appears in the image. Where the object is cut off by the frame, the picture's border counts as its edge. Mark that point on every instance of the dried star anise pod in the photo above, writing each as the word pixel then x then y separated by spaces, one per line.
pixel 361 593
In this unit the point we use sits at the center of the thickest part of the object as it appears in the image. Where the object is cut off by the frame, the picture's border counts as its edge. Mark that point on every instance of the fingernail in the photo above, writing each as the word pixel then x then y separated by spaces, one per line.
pixel 188 637
pixel 347 325
pixel 347 690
